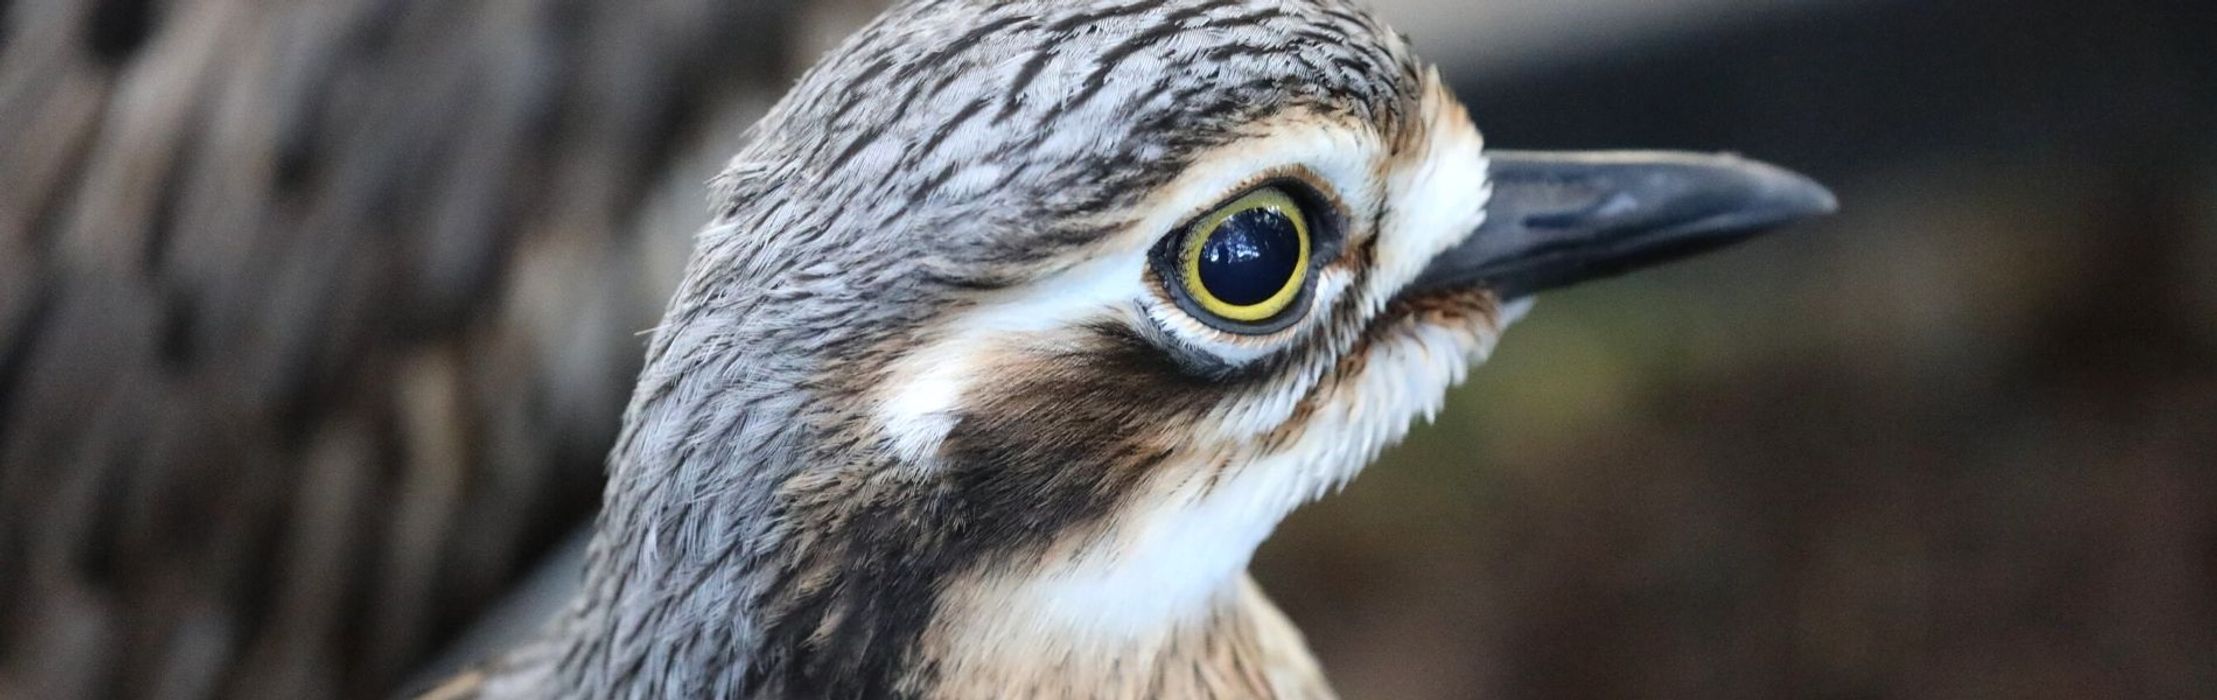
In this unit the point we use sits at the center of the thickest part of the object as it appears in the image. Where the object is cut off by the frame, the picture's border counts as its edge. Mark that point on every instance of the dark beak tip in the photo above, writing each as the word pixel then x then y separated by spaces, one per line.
pixel 1822 202
pixel 1793 196
pixel 1742 198
pixel 1556 219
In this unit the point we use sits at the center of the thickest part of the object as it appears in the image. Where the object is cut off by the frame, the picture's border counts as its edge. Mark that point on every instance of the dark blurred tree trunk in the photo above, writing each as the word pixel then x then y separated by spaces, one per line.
pixel 316 317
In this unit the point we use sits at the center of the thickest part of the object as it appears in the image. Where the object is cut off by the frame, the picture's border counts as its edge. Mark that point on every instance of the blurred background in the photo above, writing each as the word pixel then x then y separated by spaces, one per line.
pixel 316 319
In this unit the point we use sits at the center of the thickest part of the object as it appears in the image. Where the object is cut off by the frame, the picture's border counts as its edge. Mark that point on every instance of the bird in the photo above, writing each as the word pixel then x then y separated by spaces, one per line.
pixel 1020 325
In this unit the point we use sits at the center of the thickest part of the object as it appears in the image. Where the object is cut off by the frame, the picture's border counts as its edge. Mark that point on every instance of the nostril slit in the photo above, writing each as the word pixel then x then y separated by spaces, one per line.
pixel 117 28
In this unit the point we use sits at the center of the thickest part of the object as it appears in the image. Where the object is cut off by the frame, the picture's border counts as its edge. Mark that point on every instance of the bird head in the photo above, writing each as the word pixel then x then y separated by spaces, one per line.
pixel 1025 322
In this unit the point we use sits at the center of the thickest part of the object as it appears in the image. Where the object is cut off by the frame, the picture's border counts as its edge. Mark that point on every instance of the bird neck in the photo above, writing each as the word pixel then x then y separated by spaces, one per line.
pixel 698 588
pixel 1240 647
pixel 659 618
pixel 754 542
pixel 1164 612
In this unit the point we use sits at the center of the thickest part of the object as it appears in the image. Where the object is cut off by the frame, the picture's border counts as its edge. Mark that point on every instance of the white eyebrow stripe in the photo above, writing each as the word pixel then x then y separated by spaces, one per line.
pixel 928 385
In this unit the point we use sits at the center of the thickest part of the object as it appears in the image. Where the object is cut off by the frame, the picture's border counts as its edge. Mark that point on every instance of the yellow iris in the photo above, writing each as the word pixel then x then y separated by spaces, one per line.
pixel 1286 280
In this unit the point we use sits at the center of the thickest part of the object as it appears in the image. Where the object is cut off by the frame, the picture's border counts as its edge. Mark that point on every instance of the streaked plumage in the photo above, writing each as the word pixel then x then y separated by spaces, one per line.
pixel 926 420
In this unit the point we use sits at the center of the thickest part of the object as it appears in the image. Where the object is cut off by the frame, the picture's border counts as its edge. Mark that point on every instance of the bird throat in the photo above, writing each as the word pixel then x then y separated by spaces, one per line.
pixel 1238 646
pixel 1145 601
pixel 1157 596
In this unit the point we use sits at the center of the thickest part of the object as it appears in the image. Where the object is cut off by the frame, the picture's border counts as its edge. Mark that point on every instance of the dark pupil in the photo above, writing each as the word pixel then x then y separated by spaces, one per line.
pixel 1250 257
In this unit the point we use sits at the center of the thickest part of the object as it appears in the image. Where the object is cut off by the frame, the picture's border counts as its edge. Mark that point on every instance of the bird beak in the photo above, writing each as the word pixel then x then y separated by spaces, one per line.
pixel 1557 219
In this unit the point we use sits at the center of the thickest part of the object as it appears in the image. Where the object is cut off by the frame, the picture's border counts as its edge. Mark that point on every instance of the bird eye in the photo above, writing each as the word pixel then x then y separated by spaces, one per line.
pixel 1247 262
